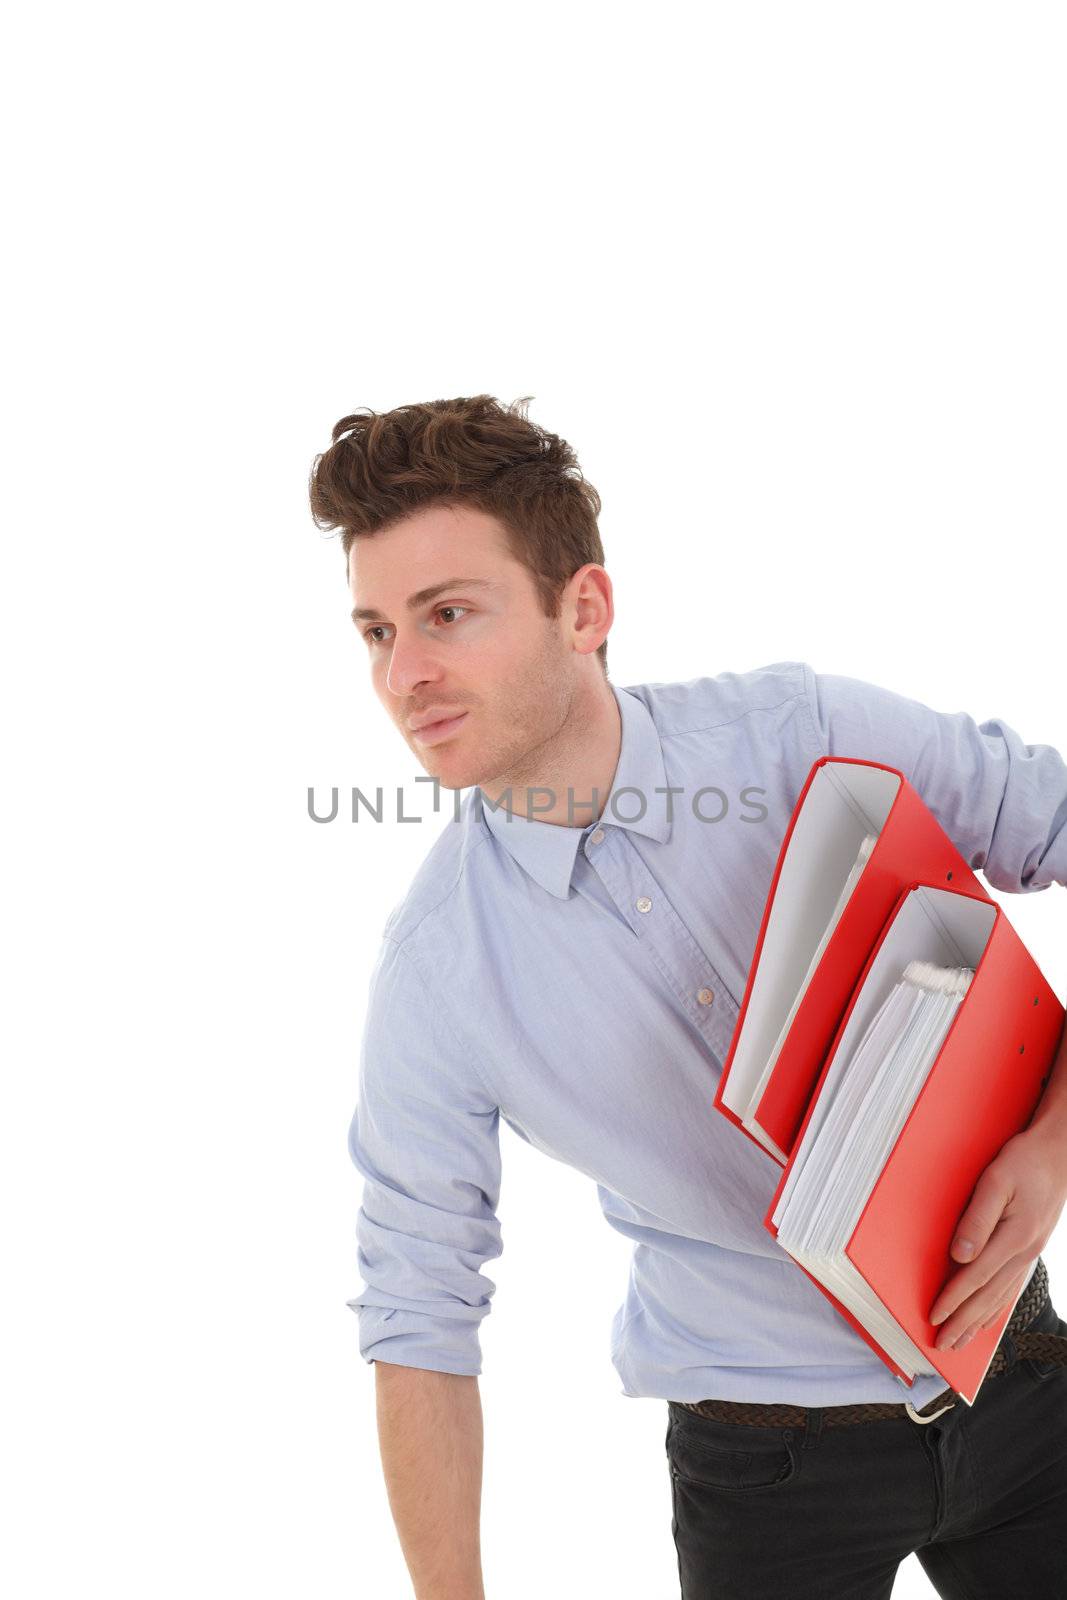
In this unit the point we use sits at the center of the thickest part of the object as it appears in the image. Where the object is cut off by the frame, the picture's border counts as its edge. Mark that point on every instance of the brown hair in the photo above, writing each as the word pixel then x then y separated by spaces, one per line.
pixel 383 466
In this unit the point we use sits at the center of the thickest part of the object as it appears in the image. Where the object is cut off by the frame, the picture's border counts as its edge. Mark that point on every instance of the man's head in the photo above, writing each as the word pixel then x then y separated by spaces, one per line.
pixel 476 574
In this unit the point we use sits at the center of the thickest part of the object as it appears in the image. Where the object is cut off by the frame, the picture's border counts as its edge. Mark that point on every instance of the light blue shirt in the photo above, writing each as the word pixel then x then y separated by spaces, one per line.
pixel 583 984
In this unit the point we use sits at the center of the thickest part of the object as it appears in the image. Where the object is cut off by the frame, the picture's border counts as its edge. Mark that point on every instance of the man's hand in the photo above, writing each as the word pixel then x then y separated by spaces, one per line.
pixel 1015 1206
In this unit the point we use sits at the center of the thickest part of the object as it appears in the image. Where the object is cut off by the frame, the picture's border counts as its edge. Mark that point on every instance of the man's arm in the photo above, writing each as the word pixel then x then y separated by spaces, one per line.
pixel 430 1437
pixel 1003 803
pixel 425 1136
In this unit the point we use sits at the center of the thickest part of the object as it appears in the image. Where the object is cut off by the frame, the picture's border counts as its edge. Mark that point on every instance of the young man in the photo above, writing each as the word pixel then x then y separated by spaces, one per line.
pixel 571 957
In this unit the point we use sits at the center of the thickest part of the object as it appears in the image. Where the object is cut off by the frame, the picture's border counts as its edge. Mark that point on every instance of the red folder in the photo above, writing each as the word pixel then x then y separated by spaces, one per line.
pixel 982 1088
pixel 912 847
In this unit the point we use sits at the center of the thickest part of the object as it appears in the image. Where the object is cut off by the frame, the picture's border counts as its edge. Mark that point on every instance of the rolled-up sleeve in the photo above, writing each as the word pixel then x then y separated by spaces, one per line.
pixel 425 1137
pixel 1002 802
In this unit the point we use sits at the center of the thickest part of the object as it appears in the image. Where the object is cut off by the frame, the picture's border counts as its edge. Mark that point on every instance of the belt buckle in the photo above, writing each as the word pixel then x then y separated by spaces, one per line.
pixel 914 1415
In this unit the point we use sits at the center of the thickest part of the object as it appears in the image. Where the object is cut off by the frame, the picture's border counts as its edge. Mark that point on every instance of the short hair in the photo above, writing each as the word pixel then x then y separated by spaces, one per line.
pixel 383 466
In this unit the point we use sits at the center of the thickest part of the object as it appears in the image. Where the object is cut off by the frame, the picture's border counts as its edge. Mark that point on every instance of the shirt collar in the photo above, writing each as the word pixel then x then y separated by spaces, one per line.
pixel 547 850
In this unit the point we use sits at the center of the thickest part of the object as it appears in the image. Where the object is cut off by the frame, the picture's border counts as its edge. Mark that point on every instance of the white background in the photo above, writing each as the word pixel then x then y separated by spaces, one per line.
pixel 790 279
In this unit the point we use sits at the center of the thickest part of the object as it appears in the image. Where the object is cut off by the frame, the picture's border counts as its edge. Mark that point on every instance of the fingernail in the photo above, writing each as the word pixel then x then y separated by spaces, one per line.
pixel 963 1247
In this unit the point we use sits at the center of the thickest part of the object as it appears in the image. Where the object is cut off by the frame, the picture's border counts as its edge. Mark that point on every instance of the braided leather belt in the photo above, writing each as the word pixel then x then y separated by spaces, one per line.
pixel 1032 1346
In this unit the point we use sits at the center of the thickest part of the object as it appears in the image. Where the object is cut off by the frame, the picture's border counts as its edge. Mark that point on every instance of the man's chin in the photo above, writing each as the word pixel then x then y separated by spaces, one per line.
pixel 454 773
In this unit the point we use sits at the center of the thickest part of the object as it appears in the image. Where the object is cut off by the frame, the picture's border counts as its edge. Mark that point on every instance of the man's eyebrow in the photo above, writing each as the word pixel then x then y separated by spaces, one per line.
pixel 421 596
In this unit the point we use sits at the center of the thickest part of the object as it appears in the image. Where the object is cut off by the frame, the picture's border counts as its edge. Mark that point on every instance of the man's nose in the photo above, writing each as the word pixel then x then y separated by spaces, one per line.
pixel 411 662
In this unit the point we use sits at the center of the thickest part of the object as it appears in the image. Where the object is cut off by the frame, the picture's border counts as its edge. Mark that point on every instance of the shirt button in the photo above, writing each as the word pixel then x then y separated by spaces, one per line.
pixel 596 836
pixel 644 904
pixel 705 996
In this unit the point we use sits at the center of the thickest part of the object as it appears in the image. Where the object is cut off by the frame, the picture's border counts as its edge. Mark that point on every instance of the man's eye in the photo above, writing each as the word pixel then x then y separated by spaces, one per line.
pixel 377 627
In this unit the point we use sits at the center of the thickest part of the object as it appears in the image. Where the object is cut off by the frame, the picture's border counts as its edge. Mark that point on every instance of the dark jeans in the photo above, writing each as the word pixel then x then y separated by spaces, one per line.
pixel 810 1513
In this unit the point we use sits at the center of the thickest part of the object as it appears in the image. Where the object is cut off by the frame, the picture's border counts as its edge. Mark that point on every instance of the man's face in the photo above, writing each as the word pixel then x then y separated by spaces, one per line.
pixel 478 651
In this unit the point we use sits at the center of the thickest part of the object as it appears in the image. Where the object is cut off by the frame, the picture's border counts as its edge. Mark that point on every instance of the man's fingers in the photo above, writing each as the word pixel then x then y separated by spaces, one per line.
pixel 1010 1298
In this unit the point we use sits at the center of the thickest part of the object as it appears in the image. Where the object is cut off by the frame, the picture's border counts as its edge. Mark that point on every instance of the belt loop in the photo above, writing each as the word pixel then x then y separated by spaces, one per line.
pixel 1011 1354
pixel 812 1426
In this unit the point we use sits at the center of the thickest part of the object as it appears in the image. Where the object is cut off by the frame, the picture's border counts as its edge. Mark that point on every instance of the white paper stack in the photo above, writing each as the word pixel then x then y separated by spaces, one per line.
pixel 865 1101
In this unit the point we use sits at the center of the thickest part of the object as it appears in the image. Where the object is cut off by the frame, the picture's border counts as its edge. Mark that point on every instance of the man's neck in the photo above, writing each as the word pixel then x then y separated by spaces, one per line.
pixel 568 782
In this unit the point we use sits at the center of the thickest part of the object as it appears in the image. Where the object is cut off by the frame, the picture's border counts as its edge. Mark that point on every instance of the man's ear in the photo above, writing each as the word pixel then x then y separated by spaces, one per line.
pixel 594 606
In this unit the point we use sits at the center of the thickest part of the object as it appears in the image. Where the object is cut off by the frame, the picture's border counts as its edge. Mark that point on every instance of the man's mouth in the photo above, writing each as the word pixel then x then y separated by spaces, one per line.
pixel 434 732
